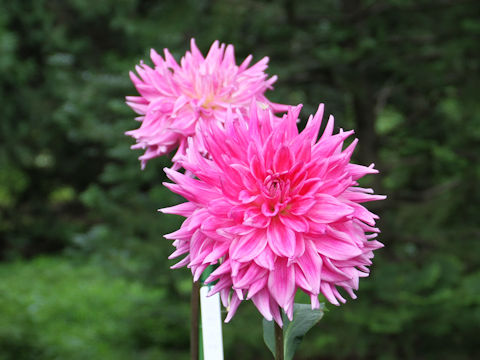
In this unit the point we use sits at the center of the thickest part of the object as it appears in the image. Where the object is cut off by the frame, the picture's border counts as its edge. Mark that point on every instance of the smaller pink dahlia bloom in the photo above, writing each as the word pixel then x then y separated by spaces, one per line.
pixel 277 210
pixel 175 99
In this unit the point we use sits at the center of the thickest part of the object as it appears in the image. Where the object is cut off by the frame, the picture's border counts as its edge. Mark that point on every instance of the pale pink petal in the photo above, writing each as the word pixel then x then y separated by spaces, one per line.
pixel 281 282
pixel 262 302
pixel 232 307
pixel 199 89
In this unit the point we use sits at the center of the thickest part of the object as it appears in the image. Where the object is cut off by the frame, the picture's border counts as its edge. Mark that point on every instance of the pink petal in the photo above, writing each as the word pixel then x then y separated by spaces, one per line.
pixel 281 282
pixel 311 265
pixel 262 302
pixel 223 269
pixel 336 249
pixel 219 250
pixel 328 209
pixel 266 259
pixel 256 286
pixel 252 274
pixel 232 307
pixel 247 247
pixel 296 223
pixel 184 209
pixel 328 293
pixel 283 160
pixel 301 205
pixel 255 218
pixel 276 312
pixel 281 239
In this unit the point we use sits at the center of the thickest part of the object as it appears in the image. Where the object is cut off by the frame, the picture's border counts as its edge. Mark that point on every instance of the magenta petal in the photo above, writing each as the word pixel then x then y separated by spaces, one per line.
pixel 281 239
pixel 256 286
pixel 183 233
pixel 220 271
pixel 336 249
pixel 281 282
pixel 360 197
pixel 256 219
pixel 301 281
pixel 219 206
pixel 358 171
pixel 296 223
pixel 197 271
pixel 299 246
pixel 311 265
pixel 252 274
pixel 262 302
pixel 276 312
pixel 328 293
pixel 225 296
pixel 329 209
pixel 283 159
pixel 232 307
pixel 223 285
pixel 181 263
pixel 179 251
pixel 331 273
pixel 247 247
pixel 257 168
pixel 363 214
pixel 184 209
pixel 266 259
pixel 219 250
pixel 302 205
pixel 289 307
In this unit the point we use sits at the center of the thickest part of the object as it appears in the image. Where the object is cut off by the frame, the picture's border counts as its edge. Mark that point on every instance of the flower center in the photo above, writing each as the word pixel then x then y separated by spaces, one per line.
pixel 276 188
pixel 213 88
pixel 210 98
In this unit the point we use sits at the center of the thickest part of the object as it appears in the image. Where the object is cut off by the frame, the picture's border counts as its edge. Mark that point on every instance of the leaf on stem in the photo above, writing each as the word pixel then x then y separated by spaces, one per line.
pixel 304 318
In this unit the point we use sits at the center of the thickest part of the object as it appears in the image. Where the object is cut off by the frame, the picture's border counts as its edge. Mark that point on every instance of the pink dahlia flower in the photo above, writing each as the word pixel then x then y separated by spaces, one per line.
pixel 277 210
pixel 175 99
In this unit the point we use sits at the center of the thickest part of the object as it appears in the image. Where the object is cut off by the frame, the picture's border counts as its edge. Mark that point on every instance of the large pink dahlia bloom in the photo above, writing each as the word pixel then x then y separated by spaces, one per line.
pixel 278 210
pixel 175 99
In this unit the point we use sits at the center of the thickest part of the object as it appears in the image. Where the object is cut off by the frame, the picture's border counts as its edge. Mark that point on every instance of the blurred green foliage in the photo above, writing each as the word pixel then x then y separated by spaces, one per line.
pixel 404 74
pixel 56 309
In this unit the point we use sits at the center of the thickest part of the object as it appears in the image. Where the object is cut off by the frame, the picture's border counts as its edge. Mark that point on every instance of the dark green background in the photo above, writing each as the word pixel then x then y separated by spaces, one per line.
pixel 83 271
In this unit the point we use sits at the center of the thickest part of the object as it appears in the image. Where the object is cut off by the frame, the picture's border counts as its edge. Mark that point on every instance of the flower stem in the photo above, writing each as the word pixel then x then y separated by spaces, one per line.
pixel 194 328
pixel 278 342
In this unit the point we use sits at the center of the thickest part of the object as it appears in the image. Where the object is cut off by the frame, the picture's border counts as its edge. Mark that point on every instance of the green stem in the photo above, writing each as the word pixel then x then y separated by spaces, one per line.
pixel 278 342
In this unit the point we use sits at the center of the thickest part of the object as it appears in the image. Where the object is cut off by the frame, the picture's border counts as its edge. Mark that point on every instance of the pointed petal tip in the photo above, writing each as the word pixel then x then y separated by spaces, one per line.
pixel 320 109
pixel 279 322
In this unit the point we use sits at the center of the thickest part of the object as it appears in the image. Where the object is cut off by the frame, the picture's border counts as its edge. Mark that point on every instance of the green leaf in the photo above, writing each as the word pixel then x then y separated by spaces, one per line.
pixel 269 335
pixel 304 318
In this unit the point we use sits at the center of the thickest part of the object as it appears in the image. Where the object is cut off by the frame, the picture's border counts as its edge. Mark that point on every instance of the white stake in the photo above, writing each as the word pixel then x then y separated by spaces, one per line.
pixel 211 325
